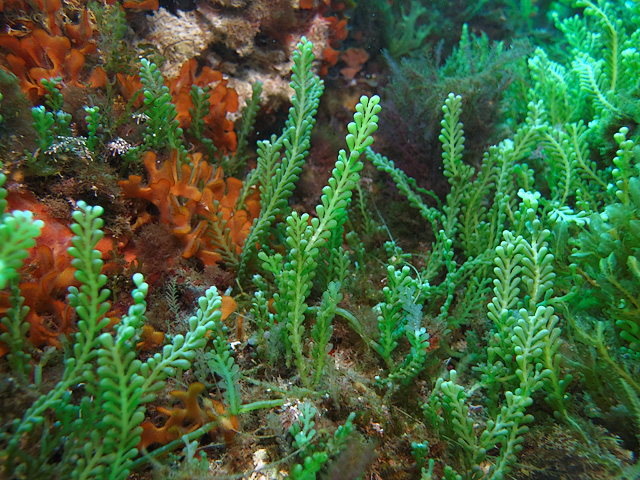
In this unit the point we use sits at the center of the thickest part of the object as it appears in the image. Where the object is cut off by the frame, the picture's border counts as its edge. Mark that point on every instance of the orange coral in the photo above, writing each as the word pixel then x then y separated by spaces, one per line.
pixel 129 86
pixel 228 306
pixel 355 58
pixel 81 32
pixel 181 421
pixel 15 4
pixel 192 199
pixel 25 22
pixel 43 52
pixel 329 59
pixel 149 338
pixel 141 4
pixel 41 56
pixel 222 100
pixel 48 7
pixel 338 32
pixel 50 275
pixel 48 316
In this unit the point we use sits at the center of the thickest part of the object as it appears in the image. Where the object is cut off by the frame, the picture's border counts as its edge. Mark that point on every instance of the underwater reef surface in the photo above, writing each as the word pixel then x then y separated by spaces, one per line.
pixel 319 239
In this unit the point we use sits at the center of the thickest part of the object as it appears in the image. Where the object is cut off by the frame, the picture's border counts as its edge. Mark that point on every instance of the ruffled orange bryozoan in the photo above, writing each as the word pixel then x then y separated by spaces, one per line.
pixel 54 47
pixel 48 316
pixel 355 58
pixel 151 339
pixel 222 100
pixel 141 5
pixel 48 7
pixel 198 205
pixel 48 275
pixel 181 421
pixel 40 56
